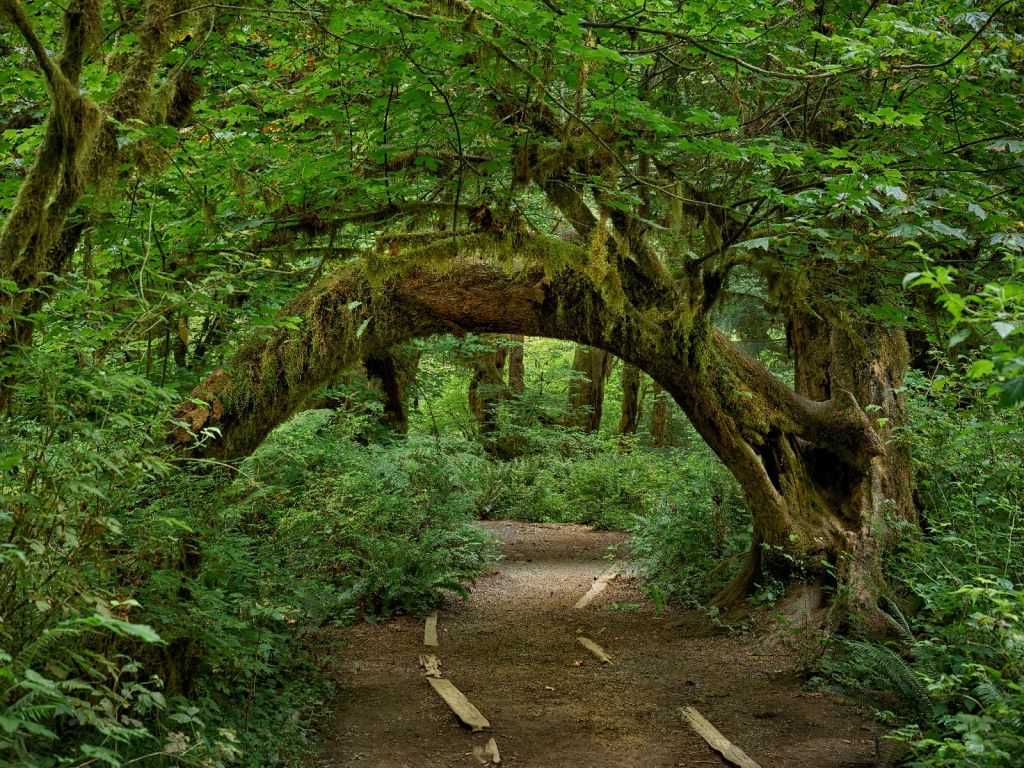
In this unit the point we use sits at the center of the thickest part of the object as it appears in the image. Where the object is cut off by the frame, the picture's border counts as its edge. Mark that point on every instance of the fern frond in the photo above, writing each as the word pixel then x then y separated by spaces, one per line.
pixel 889 666
pixel 899 622
pixel 44 645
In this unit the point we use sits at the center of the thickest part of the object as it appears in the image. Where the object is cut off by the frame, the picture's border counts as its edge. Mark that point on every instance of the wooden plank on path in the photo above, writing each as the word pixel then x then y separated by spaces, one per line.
pixel 431 666
pixel 598 586
pixel 489 754
pixel 492 750
pixel 595 649
pixel 430 630
pixel 729 751
pixel 459 704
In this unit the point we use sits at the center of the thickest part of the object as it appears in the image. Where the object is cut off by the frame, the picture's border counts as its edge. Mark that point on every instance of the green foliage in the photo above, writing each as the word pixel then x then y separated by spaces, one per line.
pixel 392 522
pixel 695 529
pixel 808 151
pixel 74 636
pixel 994 312
pixel 155 613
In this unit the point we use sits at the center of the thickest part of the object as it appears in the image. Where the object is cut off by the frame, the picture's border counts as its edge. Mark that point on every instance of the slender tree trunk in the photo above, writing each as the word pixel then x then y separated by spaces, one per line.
pixel 659 417
pixel 630 400
pixel 487 388
pixel 591 367
pixel 393 373
pixel 516 363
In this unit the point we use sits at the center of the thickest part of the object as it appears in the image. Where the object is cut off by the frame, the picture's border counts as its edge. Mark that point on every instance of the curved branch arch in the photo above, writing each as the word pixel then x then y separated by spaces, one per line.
pixel 759 427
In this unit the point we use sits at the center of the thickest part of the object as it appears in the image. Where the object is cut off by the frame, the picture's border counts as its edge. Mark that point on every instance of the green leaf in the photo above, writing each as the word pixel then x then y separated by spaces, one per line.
pixel 980 368
pixel 1011 392
pixel 959 337
pixel 1003 328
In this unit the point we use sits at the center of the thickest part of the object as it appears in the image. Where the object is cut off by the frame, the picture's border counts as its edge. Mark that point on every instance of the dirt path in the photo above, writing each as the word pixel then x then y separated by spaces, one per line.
pixel 512 650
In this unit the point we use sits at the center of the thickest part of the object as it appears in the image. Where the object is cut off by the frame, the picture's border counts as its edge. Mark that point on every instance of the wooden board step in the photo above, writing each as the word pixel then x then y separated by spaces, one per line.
pixel 488 755
pixel 729 751
pixel 431 666
pixel 459 704
pixel 595 649
pixel 430 630
pixel 599 585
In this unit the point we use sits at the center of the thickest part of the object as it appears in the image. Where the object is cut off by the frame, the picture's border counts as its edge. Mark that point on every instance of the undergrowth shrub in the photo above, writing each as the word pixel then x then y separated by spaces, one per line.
pixel 694 532
pixel 391 523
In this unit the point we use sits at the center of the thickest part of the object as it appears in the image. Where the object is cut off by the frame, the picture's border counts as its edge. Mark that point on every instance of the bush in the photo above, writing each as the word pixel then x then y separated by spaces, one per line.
pixel 697 526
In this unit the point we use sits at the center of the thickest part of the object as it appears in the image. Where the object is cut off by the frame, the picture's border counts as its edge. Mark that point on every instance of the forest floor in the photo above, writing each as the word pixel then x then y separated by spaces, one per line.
pixel 513 650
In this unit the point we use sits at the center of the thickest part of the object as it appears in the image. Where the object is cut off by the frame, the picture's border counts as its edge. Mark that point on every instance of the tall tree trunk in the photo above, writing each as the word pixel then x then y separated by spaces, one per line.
pixel 630 400
pixel 590 367
pixel 816 472
pixel 516 363
pixel 393 373
pixel 487 387
pixel 838 354
pixel 659 417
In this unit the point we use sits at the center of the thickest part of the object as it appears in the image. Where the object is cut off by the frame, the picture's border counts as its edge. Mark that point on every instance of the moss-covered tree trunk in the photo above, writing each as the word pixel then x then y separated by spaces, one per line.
pixel 487 387
pixel 517 363
pixel 79 146
pixel 585 401
pixel 816 471
pixel 659 417
pixel 393 373
pixel 839 355
pixel 630 415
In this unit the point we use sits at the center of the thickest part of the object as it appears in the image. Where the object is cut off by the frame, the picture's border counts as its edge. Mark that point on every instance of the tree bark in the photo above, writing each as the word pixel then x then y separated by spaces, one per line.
pixel 516 363
pixel 630 417
pixel 659 417
pixel 392 373
pixel 487 388
pixel 836 353
pixel 585 402
pixel 814 470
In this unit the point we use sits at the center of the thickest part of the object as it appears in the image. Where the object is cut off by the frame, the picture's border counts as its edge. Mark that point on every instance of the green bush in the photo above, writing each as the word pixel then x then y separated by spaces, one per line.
pixel 696 528
pixel 391 523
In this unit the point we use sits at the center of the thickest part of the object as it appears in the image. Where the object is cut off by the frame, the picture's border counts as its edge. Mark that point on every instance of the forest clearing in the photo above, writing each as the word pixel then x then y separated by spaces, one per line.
pixel 524 382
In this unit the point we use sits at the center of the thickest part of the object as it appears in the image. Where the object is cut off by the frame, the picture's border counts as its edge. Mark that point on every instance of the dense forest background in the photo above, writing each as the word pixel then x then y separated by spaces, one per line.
pixel 292 293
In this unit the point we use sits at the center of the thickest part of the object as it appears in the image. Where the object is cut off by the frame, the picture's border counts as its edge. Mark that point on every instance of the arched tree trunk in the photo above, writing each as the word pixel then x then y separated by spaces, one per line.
pixel 630 416
pixel 516 363
pixel 814 472
pixel 585 402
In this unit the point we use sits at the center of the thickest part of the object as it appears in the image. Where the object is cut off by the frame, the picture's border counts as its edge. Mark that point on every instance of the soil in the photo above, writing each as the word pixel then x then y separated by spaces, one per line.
pixel 513 650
